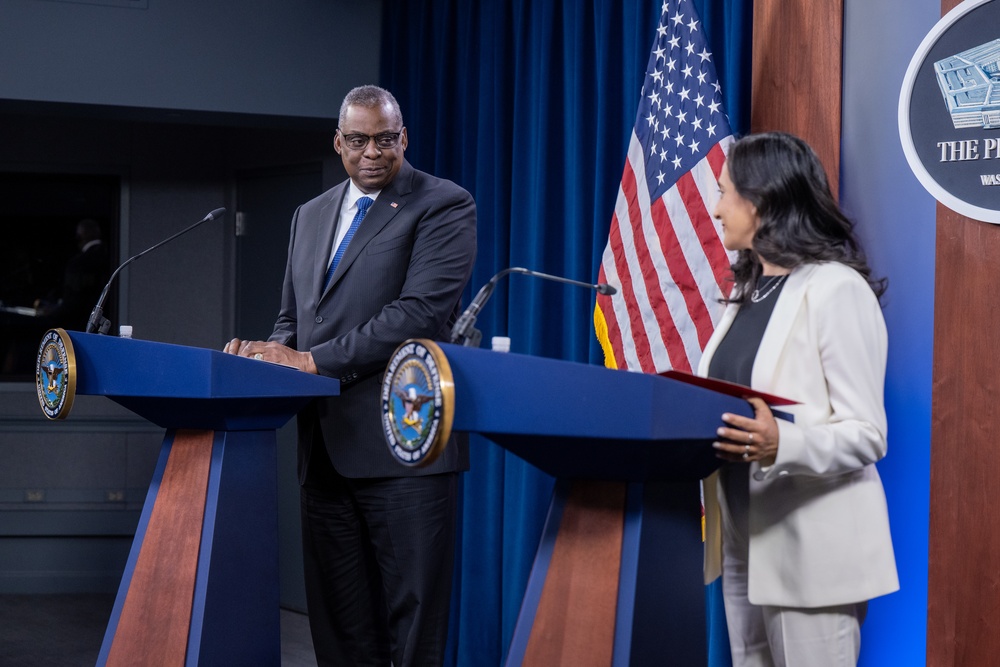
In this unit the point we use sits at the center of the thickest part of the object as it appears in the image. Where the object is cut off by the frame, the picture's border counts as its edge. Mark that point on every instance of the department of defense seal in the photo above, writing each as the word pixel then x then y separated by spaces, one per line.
pixel 55 374
pixel 418 402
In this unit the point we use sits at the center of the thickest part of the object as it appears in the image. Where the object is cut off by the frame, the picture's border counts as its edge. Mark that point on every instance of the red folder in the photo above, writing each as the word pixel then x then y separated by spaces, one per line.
pixel 728 388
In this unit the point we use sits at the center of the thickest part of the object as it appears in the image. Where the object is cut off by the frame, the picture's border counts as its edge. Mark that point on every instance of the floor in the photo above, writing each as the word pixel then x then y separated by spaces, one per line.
pixel 67 631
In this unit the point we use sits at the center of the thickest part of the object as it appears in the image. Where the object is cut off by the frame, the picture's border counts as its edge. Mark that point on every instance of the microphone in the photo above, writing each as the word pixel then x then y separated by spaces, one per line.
pixel 100 324
pixel 465 330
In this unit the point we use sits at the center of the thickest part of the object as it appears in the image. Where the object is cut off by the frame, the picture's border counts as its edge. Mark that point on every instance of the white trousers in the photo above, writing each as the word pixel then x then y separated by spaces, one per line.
pixel 765 636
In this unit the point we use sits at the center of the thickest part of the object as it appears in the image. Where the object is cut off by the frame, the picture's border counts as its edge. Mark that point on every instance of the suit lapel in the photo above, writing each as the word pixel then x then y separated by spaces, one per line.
pixel 390 201
pixel 779 327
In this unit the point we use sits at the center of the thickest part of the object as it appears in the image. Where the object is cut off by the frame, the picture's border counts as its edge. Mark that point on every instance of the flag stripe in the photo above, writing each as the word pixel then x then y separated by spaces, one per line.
pixel 660 330
pixel 717 156
pixel 630 318
pixel 683 277
pixel 616 267
pixel 705 177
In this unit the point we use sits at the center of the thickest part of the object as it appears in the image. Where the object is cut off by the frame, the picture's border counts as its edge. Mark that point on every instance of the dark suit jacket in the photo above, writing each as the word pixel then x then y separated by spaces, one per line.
pixel 401 277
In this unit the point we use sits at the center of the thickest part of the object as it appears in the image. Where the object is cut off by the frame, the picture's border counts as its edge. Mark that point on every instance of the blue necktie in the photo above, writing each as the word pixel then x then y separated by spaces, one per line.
pixel 364 203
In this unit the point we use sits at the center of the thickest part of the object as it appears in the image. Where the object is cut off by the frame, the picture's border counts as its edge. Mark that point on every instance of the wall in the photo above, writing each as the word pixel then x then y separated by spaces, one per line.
pixel 896 221
pixel 70 493
pixel 239 56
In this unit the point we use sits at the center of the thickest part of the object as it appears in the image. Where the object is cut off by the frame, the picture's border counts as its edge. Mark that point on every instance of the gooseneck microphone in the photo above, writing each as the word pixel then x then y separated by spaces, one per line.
pixel 465 331
pixel 100 324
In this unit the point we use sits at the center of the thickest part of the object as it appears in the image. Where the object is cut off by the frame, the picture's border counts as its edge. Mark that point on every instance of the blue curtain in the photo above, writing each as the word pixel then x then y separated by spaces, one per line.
pixel 529 105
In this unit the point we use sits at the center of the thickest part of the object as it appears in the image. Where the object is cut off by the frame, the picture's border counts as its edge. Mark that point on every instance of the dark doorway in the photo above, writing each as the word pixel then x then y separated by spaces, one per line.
pixel 265 202
pixel 46 278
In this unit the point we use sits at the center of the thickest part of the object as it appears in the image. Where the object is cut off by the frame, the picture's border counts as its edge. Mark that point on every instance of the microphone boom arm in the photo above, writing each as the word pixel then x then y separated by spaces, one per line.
pixel 100 324
pixel 465 330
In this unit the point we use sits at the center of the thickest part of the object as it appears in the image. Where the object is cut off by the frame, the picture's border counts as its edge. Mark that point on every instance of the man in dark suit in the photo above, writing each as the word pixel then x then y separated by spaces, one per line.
pixel 376 260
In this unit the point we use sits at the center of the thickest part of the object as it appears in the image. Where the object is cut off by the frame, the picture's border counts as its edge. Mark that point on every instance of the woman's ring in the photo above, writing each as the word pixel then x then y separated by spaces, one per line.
pixel 746 450
pixel 750 438
pixel 258 356
pixel 746 455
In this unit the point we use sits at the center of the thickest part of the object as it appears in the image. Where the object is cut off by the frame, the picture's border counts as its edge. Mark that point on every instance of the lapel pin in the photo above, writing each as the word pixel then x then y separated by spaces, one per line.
pixel 394 204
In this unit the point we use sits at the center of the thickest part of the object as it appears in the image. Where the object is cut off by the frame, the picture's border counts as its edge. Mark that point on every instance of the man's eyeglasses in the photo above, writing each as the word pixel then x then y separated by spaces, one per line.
pixel 358 142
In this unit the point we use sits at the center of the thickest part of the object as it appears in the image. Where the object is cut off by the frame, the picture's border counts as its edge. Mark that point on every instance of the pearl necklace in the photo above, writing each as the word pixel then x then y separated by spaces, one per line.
pixel 757 297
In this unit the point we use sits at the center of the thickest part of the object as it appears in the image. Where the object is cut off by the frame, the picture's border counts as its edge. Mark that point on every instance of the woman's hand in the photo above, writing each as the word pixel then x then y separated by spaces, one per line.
pixel 749 439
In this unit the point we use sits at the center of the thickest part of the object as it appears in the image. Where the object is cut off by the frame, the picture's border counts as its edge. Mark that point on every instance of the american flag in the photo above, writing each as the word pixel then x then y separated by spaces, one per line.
pixel 664 252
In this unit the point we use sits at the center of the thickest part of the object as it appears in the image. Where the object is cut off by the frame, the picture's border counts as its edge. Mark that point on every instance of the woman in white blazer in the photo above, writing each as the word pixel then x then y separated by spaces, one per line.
pixel 800 529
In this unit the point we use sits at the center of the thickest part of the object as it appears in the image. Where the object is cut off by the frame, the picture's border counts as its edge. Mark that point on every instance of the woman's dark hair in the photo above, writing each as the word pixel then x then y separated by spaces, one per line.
pixel 799 221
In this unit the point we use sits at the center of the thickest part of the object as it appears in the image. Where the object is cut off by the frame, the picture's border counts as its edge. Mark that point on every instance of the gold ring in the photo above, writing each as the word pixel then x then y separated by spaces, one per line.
pixel 258 356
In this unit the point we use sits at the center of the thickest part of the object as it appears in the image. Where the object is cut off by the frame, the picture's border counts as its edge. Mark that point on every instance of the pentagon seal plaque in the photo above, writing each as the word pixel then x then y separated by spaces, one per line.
pixel 418 402
pixel 55 374
pixel 949 111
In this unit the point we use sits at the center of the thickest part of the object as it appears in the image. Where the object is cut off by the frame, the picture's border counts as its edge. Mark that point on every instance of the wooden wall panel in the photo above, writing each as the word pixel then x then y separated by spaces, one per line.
pixel 963 584
pixel 963 580
pixel 796 74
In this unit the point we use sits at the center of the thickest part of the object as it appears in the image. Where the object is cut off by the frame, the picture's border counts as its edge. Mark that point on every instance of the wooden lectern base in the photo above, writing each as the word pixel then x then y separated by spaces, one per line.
pixel 201 583
pixel 582 576
pixel 617 579
pixel 156 615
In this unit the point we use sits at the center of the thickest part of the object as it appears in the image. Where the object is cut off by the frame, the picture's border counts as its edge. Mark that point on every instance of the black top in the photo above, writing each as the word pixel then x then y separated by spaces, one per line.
pixel 733 359
pixel 733 362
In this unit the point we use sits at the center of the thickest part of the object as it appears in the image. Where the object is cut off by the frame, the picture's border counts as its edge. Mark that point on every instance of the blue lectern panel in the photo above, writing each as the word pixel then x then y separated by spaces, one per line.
pixel 668 608
pixel 513 393
pixel 176 386
pixel 236 617
pixel 579 421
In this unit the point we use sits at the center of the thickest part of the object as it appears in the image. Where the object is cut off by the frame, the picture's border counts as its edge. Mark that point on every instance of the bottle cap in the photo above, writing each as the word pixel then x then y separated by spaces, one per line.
pixel 501 344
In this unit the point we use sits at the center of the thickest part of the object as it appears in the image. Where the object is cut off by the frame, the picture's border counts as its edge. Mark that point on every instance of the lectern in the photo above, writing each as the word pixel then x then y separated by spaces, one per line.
pixel 201 583
pixel 617 578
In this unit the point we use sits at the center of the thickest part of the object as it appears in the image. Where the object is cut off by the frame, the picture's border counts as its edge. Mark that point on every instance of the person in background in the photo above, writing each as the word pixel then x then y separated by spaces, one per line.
pixel 86 274
pixel 68 307
pixel 800 529
pixel 380 258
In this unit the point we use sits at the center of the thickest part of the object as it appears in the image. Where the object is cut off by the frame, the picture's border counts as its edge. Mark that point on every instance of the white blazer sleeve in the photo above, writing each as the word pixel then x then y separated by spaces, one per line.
pixel 841 425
